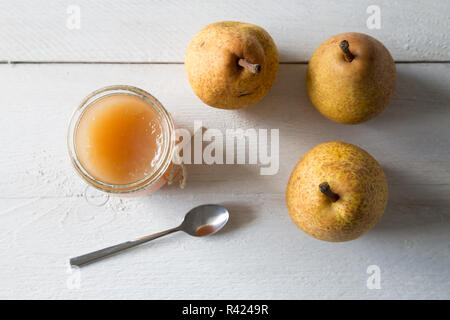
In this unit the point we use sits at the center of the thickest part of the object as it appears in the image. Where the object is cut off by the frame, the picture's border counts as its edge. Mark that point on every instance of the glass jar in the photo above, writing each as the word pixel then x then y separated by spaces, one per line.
pixel 160 172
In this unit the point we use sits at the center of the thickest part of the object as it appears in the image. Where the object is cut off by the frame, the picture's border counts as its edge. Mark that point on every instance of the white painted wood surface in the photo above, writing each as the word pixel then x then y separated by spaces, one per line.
pixel 159 31
pixel 44 218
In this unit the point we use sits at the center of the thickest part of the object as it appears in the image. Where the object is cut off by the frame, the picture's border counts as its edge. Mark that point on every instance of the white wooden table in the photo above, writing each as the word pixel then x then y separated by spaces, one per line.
pixel 48 66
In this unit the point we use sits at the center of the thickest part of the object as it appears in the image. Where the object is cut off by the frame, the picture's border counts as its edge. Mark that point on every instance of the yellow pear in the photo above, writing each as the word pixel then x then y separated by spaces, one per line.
pixel 351 78
pixel 336 192
pixel 231 65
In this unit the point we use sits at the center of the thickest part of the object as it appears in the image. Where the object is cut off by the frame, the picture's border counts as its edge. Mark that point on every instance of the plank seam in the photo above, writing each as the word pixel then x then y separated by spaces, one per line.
pixel 177 63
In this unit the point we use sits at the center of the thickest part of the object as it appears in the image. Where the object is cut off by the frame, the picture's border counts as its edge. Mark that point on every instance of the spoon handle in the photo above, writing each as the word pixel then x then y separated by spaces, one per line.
pixel 103 253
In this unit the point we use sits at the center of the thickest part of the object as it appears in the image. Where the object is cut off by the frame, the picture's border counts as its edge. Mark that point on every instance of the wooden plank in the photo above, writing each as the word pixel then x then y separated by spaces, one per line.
pixel 410 138
pixel 259 255
pixel 159 31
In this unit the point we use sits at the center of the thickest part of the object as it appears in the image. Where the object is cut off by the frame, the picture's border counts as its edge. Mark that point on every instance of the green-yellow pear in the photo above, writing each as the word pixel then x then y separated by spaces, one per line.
pixel 231 65
pixel 336 192
pixel 351 78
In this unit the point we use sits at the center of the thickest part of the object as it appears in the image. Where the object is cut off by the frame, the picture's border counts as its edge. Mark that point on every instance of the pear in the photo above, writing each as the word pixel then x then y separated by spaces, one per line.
pixel 336 192
pixel 351 78
pixel 231 65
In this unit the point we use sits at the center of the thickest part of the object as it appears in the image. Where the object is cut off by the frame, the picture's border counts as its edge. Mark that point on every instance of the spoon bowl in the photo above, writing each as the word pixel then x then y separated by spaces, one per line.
pixel 205 220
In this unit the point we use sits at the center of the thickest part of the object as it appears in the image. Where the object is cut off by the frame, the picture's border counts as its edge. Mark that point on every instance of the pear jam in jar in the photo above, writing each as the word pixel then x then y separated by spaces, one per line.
pixel 121 140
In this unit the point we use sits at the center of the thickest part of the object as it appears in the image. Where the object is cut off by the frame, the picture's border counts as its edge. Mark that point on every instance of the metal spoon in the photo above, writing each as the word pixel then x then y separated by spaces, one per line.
pixel 200 221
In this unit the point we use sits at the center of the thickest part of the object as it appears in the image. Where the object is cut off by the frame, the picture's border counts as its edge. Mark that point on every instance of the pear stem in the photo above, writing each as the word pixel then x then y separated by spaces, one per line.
pixel 254 68
pixel 324 187
pixel 345 48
